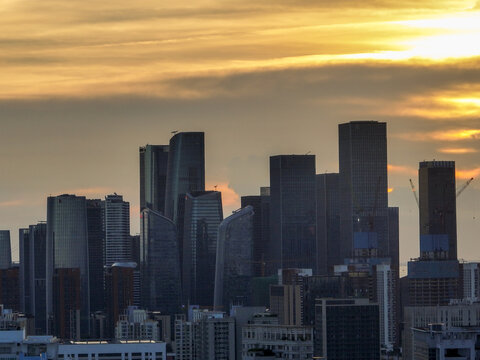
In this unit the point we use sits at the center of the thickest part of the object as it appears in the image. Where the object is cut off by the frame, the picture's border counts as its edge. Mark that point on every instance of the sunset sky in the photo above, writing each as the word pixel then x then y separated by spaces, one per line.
pixel 83 84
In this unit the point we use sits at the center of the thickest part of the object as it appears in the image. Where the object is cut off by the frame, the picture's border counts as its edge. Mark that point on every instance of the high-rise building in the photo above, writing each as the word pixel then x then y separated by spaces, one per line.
pixel 261 228
pixel 363 188
pixel 9 288
pixel 5 250
pixel 25 290
pixel 185 173
pixel 203 215
pixel 387 303
pixel 33 242
pixel 67 261
pixel 328 223
pixel 153 176
pixel 67 306
pixel 470 273
pixel 346 329
pixel 438 216
pixel 234 263
pixel 394 239
pixel 292 212
pixel 159 263
pixel 96 253
pixel 117 229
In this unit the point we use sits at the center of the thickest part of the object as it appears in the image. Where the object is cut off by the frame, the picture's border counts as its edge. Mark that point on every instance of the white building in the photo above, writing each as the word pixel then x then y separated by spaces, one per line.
pixel 386 302
pixel 471 280
pixel 135 325
pixel 285 341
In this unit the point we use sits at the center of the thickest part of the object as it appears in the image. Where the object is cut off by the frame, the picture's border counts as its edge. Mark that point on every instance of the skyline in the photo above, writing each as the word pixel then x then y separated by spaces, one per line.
pixel 84 84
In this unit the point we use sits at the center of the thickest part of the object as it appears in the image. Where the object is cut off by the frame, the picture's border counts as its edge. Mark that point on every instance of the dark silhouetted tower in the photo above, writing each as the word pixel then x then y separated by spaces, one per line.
pixel 153 176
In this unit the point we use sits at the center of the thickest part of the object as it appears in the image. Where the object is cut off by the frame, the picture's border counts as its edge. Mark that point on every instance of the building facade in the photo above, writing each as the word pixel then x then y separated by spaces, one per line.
pixel 153 176
pixel 117 229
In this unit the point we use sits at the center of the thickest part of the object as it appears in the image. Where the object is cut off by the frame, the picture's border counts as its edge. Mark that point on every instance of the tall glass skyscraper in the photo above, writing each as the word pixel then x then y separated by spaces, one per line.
pixel 153 176
pixel 159 263
pixel 203 215
pixel 5 250
pixel 67 258
pixel 292 212
pixel 234 263
pixel 117 229
pixel 24 271
pixel 363 188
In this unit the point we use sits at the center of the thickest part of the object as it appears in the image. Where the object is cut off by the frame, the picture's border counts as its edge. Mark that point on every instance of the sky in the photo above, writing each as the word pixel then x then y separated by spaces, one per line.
pixel 84 83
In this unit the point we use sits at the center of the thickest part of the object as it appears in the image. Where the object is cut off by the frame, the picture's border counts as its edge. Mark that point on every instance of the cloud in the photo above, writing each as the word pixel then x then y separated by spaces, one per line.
pixel 402 170
pixel 229 197
pixel 467 173
pixel 12 203
pixel 457 151
pixel 442 135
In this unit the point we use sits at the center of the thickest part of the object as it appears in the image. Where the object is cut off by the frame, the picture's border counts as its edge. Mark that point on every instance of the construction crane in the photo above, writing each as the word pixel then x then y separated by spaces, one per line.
pixel 414 193
pixel 464 187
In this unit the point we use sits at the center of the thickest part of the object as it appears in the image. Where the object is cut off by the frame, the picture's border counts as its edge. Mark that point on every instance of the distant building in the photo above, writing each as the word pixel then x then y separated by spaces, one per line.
pixel 470 273
pixel 9 288
pixel 184 338
pixel 347 329
pixel 263 333
pixel 455 315
pixel 363 187
pixel 328 223
pixel 203 215
pixel 153 176
pixel 67 259
pixel 33 242
pixel 159 263
pixel 234 262
pixel 261 228
pixel 214 337
pixel 438 343
pixel 292 212
pixel 117 229
pixel 136 325
pixel 5 250
pixel 438 216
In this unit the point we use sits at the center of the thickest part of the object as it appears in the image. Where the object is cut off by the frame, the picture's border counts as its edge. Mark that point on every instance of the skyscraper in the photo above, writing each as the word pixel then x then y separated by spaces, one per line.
pixel 5 250
pixel 33 242
pixel 292 212
pixel 203 215
pixel 438 216
pixel 261 228
pixel 67 263
pixel 117 229
pixel 96 253
pixel 153 176
pixel 159 263
pixel 234 263
pixel 328 223
pixel 363 187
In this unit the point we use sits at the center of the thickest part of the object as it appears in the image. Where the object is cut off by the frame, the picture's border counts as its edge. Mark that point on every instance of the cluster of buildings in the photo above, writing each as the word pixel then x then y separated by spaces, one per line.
pixel 308 268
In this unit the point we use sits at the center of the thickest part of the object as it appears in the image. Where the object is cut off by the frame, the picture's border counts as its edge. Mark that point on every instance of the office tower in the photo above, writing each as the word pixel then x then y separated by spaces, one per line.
pixel 328 223
pixel 363 189
pixel 118 291
pixel 135 257
pixel 186 169
pixel 33 243
pixel 234 263
pixel 5 250
pixel 25 290
pixel 153 176
pixel 261 228
pixel 394 239
pixel 292 212
pixel 67 264
pixel 96 239
pixel 438 216
pixel 9 288
pixel 117 229
pixel 346 329
pixel 203 215
pixel 159 263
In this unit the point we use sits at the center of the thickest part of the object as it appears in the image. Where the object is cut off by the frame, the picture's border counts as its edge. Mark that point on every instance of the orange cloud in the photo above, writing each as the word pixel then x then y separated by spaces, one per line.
pixel 229 197
pixel 457 150
pixel 400 169
pixel 447 135
pixel 390 189
pixel 467 174
pixel 97 191
pixel 11 203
